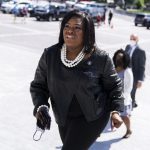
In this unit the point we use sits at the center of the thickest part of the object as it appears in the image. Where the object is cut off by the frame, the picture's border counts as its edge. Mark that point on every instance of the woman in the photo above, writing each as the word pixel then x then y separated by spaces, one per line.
pixel 81 82
pixel 122 61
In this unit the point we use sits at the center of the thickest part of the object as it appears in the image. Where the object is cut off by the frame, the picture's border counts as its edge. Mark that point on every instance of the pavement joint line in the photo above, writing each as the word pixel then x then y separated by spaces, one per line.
pixel 27 34
pixel 17 27
pixel 122 36
pixel 27 29
pixel 12 25
pixel 17 48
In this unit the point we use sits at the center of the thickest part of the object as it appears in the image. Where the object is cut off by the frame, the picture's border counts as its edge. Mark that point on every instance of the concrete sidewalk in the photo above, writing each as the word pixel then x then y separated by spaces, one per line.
pixel 17 124
pixel 140 123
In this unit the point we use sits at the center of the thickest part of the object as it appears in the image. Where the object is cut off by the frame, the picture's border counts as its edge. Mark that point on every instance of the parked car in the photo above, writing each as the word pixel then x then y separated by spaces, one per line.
pixel 112 5
pixel 93 8
pixel 6 7
pixel 50 11
pixel 141 19
pixel 83 4
pixel 44 11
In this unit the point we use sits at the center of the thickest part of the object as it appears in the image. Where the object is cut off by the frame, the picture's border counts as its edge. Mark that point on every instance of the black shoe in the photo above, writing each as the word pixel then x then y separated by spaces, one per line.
pixel 134 105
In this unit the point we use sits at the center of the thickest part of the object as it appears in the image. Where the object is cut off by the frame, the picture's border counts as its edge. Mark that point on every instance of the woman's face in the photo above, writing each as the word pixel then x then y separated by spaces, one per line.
pixel 73 33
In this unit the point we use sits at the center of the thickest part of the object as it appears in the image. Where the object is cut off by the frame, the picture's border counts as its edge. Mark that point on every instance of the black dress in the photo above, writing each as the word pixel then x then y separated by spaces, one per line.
pixel 78 134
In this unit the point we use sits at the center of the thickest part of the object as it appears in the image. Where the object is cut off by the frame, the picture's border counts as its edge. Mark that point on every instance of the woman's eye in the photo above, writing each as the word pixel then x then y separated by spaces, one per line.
pixel 67 26
pixel 73 28
pixel 78 28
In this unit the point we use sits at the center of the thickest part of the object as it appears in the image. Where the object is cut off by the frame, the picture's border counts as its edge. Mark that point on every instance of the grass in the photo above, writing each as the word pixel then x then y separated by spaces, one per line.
pixel 138 11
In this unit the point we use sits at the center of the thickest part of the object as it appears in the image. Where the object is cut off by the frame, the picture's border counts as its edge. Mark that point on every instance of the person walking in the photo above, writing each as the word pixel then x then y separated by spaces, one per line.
pixel 81 82
pixel 24 13
pixel 121 61
pixel 57 13
pixel 15 12
pixel 104 15
pixel 98 19
pixel 138 61
pixel 110 16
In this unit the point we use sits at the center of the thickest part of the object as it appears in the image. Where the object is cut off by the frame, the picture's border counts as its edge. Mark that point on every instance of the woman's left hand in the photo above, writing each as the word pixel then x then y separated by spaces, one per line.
pixel 116 120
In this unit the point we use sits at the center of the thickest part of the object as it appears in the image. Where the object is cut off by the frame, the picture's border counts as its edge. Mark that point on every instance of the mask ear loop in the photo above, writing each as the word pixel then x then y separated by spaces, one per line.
pixel 38 134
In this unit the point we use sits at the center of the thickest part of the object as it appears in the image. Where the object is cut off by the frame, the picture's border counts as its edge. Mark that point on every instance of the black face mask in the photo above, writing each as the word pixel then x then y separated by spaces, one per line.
pixel 38 133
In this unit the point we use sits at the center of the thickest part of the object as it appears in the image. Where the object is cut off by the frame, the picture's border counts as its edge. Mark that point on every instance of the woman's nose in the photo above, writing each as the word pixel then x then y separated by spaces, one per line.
pixel 70 30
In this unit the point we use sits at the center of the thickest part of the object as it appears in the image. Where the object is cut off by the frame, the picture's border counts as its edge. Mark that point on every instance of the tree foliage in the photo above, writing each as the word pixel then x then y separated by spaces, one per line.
pixel 147 1
pixel 139 3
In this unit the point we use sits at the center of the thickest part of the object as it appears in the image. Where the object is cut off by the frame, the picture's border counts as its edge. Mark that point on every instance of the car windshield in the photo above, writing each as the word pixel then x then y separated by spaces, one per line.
pixel 140 16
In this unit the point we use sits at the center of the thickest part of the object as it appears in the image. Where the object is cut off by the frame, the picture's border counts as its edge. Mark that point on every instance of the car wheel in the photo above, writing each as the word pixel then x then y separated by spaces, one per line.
pixel 135 24
pixel 57 19
pixel 38 18
pixel 50 18
pixel 147 27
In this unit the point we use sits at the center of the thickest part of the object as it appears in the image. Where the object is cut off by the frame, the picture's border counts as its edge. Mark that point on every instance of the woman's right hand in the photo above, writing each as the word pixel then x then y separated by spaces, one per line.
pixel 43 118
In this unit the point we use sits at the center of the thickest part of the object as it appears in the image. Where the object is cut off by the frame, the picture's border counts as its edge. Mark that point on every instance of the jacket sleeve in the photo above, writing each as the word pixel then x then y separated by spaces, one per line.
pixel 141 65
pixel 127 48
pixel 113 86
pixel 38 88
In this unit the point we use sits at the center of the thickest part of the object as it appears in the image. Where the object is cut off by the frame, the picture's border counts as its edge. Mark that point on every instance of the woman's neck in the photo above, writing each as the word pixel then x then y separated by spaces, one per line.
pixel 73 53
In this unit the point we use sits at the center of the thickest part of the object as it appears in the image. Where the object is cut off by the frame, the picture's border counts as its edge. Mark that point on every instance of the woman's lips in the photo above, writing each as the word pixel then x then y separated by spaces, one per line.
pixel 70 37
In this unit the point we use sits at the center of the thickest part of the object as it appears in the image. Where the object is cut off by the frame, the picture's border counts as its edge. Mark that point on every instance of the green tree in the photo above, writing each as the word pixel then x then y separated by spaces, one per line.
pixel 147 1
pixel 139 3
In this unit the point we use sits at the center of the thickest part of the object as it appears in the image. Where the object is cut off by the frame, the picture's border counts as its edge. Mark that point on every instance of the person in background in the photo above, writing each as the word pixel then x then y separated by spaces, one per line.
pixel 110 16
pixel 104 15
pixel 121 61
pixel 71 8
pixel 138 60
pixel 81 82
pixel 24 13
pixel 98 19
pixel 15 12
pixel 57 13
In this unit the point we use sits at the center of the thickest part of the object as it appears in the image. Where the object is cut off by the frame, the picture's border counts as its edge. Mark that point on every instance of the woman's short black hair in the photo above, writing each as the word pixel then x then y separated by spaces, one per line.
pixel 88 29
pixel 125 62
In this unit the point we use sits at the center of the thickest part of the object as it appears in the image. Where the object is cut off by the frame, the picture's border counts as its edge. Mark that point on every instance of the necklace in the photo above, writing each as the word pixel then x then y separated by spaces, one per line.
pixel 71 63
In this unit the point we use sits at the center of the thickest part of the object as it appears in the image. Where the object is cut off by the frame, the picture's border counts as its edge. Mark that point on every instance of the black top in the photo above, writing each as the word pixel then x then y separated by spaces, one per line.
pixel 94 82
pixel 74 109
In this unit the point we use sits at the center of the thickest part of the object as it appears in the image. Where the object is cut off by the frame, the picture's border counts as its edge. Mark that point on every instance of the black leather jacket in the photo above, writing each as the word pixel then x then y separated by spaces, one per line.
pixel 93 81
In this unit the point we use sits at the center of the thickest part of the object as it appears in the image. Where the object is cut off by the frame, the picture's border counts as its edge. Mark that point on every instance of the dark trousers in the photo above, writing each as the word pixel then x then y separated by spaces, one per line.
pixel 133 93
pixel 78 134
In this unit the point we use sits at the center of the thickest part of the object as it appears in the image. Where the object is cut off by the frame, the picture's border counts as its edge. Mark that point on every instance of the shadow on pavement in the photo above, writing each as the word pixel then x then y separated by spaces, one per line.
pixel 58 147
pixel 104 145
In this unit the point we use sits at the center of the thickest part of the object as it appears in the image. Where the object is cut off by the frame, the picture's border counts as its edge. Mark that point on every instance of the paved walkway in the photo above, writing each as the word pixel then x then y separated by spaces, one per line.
pixel 17 123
